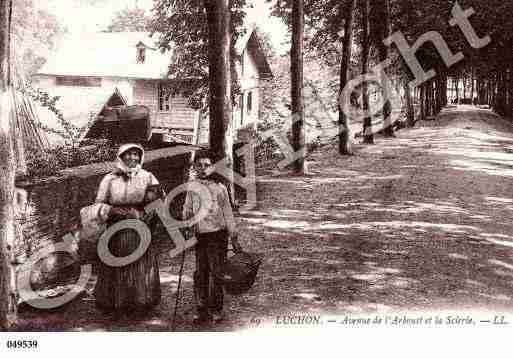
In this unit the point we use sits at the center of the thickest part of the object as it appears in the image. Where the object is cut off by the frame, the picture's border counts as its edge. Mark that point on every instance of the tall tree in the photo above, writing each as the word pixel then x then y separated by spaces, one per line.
pixel 368 137
pixel 384 12
pixel 410 113
pixel 296 72
pixel 345 63
pixel 7 167
pixel 220 105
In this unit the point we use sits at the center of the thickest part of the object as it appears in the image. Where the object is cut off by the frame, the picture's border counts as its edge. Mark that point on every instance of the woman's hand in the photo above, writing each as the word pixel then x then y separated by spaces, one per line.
pixel 125 212
pixel 133 213
pixel 116 212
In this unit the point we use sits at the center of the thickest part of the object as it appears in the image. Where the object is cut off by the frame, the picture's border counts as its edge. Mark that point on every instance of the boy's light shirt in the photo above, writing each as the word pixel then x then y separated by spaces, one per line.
pixel 220 214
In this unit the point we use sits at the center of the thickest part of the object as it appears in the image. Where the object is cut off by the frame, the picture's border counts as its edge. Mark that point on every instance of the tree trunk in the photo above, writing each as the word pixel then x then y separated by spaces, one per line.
pixel 464 86
pixel 422 96
pixel 388 129
pixel 510 93
pixel 507 99
pixel 368 137
pixel 441 90
pixel 428 98
pixel 220 105
pixel 410 112
pixel 344 139
pixel 432 99
pixel 452 89
pixel 446 83
pixel 296 72
pixel 457 79
pixel 7 167
pixel 472 85
pixel 438 94
pixel 484 89
pixel 489 90
pixel 502 91
pixel 478 89
pixel 494 90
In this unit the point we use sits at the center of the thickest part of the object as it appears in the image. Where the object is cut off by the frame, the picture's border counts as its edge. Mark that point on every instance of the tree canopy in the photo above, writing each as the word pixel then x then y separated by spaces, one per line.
pixel 182 26
pixel 130 19
pixel 34 34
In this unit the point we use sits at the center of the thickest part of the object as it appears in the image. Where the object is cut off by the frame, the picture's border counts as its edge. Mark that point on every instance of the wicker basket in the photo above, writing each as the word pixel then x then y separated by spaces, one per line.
pixel 240 272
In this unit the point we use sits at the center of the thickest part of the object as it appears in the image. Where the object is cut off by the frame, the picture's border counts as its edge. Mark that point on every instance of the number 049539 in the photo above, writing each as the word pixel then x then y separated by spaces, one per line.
pixel 21 344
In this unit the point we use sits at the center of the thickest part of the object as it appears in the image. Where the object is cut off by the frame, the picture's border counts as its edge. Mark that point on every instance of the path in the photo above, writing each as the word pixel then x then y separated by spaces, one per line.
pixel 421 221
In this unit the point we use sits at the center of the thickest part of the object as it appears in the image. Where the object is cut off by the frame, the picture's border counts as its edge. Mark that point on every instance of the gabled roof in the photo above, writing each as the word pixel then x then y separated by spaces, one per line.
pixel 254 46
pixel 114 55
pixel 107 54
pixel 80 107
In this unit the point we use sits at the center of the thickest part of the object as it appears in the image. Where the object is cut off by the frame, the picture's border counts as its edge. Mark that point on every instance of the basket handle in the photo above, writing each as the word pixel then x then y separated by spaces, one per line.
pixel 236 247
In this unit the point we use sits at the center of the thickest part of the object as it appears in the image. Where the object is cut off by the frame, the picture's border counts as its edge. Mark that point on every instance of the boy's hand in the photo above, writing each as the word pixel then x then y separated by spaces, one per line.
pixel 188 233
pixel 234 238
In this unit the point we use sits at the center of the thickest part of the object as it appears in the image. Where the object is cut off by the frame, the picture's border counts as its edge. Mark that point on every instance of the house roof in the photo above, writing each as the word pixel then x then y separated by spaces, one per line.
pixel 252 43
pixel 81 106
pixel 113 55
pixel 107 54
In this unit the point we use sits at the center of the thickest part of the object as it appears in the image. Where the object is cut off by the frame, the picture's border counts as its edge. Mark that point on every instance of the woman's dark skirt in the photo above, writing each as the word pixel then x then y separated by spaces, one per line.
pixel 135 287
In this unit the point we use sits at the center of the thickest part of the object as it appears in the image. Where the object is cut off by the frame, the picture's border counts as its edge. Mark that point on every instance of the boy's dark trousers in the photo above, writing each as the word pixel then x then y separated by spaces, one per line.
pixel 211 251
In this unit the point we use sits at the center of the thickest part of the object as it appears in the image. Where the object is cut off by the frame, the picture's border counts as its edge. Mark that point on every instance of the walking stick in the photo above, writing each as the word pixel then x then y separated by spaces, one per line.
pixel 177 301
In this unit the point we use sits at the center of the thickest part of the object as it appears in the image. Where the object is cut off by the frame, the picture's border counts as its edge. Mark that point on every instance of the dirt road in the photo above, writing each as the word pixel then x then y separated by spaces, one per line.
pixel 418 222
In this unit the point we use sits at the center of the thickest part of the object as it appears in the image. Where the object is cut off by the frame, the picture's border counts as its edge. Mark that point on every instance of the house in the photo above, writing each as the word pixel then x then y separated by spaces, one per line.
pixel 90 73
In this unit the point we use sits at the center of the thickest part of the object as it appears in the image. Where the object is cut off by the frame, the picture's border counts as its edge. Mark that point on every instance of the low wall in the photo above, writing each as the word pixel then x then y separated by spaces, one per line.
pixel 47 209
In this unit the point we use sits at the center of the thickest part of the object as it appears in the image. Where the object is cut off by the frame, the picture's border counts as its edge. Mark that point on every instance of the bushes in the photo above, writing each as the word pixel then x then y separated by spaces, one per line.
pixel 267 149
pixel 49 162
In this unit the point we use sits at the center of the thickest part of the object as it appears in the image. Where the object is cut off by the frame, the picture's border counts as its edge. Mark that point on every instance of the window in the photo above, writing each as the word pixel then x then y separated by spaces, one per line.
pixel 249 101
pixel 141 55
pixel 164 98
pixel 78 81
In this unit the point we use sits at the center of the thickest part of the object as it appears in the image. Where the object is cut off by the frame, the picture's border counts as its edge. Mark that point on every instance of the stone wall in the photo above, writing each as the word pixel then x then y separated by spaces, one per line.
pixel 48 209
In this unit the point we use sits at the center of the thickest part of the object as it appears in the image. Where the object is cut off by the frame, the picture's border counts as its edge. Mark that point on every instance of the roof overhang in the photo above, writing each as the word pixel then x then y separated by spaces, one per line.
pixel 251 42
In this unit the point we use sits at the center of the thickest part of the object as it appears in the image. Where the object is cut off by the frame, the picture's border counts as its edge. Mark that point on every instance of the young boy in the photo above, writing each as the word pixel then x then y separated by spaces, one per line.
pixel 213 230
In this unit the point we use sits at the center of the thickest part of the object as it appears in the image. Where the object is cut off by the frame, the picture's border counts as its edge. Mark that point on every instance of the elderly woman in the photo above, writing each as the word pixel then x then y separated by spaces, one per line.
pixel 135 286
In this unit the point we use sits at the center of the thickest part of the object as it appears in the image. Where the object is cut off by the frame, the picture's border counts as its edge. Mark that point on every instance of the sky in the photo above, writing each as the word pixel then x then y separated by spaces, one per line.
pixel 94 15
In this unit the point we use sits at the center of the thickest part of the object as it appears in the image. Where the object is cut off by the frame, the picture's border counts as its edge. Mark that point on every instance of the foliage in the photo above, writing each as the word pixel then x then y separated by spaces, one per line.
pixel 48 162
pixel 320 96
pixel 181 25
pixel 34 32
pixel 130 20
pixel 71 133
